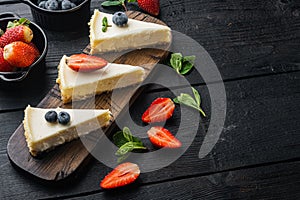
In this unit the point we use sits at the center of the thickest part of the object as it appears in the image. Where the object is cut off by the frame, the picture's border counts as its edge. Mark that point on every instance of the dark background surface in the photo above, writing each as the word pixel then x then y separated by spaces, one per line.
pixel 255 45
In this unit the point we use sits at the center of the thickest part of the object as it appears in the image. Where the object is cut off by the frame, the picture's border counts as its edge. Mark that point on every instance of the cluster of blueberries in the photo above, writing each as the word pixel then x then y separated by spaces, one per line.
pixel 62 117
pixel 58 4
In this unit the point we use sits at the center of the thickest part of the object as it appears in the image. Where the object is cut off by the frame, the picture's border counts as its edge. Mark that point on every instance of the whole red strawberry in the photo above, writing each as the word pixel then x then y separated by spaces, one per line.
pixel 19 33
pixel 4 65
pixel 20 54
pixel 150 6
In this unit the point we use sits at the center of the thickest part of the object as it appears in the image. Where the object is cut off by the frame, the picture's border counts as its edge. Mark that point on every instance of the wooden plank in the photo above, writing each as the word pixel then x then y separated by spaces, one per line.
pixel 243 38
pixel 280 181
pixel 256 132
pixel 63 161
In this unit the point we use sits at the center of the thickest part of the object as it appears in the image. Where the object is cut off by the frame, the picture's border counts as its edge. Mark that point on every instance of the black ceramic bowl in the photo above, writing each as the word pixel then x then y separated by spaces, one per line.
pixel 61 20
pixel 39 39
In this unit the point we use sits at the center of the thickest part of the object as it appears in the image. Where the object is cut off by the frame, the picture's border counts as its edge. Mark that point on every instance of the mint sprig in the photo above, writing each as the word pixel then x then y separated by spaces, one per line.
pixel 126 143
pixel 188 100
pixel 116 3
pixel 105 24
pixel 182 64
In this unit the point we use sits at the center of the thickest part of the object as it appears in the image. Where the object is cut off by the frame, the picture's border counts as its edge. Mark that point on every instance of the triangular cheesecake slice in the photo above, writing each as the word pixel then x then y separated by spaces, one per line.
pixel 135 35
pixel 81 85
pixel 42 135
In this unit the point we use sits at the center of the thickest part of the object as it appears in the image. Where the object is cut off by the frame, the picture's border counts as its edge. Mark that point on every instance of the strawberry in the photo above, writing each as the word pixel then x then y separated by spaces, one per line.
pixel 20 54
pixel 19 33
pixel 161 137
pixel 4 65
pixel 150 6
pixel 85 63
pixel 160 110
pixel 123 174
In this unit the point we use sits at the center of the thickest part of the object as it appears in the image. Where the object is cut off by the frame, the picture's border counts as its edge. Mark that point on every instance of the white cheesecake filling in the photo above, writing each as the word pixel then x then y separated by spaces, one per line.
pixel 135 35
pixel 42 135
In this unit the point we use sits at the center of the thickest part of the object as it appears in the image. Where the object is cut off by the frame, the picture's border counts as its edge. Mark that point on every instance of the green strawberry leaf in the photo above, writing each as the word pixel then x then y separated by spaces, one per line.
pixel 21 21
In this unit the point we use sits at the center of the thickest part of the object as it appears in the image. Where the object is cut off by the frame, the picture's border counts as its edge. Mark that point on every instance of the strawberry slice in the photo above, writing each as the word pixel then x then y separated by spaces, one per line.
pixel 160 110
pixel 161 137
pixel 85 63
pixel 123 174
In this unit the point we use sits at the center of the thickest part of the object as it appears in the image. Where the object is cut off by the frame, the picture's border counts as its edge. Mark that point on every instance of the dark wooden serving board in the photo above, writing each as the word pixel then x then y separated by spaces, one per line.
pixel 64 160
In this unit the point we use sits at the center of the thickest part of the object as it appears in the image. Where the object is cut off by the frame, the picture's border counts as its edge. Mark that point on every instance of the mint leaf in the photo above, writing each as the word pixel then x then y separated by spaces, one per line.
pixel 182 65
pixel 126 143
pixel 119 139
pixel 176 61
pixel 105 24
pixel 197 96
pixel 128 147
pixel 186 68
pixel 111 3
pixel 190 59
pixel 124 149
pixel 127 134
pixel 187 100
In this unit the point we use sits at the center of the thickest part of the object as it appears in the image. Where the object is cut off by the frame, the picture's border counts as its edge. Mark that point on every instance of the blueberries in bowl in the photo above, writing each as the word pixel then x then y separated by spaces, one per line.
pixel 58 4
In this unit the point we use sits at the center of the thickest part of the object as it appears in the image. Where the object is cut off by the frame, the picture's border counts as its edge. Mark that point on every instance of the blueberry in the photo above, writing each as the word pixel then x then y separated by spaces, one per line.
pixel 120 19
pixel 66 4
pixel 63 118
pixel 51 116
pixel 73 5
pixel 42 4
pixel 52 5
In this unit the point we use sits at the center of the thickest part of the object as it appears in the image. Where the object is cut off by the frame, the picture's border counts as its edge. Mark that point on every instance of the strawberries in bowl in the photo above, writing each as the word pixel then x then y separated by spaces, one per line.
pixel 17 50
pixel 23 47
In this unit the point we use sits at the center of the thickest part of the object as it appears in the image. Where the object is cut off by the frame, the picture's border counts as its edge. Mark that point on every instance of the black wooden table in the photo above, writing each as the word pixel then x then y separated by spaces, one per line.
pixel 255 45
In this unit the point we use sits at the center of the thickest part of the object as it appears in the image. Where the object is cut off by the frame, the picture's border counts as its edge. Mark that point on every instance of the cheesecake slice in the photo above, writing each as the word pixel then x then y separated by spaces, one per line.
pixel 42 135
pixel 135 35
pixel 76 86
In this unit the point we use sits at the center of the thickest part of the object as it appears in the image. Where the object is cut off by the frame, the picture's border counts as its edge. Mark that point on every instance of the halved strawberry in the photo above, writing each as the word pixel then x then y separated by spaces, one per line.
pixel 161 137
pixel 4 65
pixel 123 174
pixel 150 6
pixel 19 33
pixel 85 63
pixel 20 54
pixel 160 110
